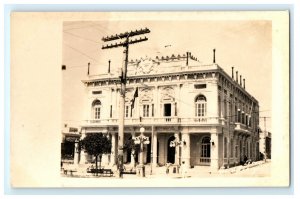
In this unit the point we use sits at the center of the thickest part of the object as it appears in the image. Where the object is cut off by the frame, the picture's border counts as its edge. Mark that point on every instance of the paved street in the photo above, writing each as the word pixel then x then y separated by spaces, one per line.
pixel 256 169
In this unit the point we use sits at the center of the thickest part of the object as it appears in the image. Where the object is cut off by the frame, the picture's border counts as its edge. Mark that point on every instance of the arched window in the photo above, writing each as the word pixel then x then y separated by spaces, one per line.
pixel 96 106
pixel 205 147
pixel 200 105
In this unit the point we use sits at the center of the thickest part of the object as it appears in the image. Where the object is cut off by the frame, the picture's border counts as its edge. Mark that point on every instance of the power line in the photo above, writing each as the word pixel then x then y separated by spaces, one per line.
pixel 74 35
pixel 80 52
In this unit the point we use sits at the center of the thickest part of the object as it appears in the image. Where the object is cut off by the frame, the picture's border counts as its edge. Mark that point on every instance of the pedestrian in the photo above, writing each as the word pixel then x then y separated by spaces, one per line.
pixel 183 169
pixel 168 167
pixel 245 160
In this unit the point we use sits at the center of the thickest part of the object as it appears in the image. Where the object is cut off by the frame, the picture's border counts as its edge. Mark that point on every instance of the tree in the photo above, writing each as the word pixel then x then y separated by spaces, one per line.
pixel 96 144
pixel 132 147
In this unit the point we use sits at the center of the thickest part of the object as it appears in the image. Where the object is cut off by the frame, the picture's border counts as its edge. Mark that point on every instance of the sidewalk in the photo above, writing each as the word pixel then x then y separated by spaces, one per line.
pixel 196 172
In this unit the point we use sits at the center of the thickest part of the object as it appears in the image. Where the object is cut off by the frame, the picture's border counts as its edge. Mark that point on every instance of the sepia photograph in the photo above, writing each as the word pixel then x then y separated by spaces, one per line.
pixel 171 98
pixel 166 98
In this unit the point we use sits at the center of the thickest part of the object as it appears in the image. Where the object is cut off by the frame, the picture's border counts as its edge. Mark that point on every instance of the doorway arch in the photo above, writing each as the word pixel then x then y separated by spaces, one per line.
pixel 171 151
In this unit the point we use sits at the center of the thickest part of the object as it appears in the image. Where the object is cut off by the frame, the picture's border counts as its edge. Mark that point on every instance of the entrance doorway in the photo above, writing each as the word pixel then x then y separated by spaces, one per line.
pixel 167 110
pixel 171 151
pixel 130 149
pixel 148 159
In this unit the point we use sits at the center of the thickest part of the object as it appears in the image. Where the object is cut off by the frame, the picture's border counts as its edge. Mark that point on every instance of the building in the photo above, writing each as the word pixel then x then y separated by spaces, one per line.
pixel 265 143
pixel 207 111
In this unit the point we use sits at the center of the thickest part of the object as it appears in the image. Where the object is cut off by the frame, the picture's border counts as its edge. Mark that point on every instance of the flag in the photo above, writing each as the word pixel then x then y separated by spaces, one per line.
pixel 135 95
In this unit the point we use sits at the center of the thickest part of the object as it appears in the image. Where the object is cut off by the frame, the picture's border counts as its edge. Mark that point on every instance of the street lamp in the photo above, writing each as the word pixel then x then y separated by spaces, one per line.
pixel 105 132
pixel 141 140
pixel 176 142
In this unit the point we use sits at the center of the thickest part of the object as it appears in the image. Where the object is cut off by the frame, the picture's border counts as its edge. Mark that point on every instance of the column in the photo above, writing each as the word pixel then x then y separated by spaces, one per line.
pixel 154 149
pixel 157 106
pixel 113 156
pixel 240 148
pixel 83 154
pixel 115 103
pixel 222 101
pixel 76 153
pixel 178 99
pixel 186 149
pixel 177 149
pixel 235 149
pixel 161 152
pixel 243 147
pixel 214 159
pixel 228 151
pixel 172 109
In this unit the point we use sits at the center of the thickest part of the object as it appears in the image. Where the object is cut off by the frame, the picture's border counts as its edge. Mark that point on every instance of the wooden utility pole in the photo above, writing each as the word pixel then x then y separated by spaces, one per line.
pixel 265 139
pixel 125 42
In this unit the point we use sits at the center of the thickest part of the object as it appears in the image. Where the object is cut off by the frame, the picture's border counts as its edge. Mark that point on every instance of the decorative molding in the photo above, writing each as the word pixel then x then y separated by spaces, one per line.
pixel 146 95
pixel 167 94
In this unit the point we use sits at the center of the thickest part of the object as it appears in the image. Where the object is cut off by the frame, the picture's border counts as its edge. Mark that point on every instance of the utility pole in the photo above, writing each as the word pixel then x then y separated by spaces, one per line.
pixel 265 138
pixel 125 42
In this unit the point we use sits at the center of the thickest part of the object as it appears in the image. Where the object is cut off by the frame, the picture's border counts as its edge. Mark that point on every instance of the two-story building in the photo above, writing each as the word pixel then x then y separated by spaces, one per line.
pixel 178 97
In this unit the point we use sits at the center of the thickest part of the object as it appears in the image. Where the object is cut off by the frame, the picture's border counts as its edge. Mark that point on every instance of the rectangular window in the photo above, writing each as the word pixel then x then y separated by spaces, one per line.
pixel 146 110
pixel 126 111
pixel 97 113
pixel 200 86
pixel 167 110
pixel 236 114
pixel 219 106
pixel 110 114
pixel 152 110
pixel 200 109
pixel 230 112
pixel 225 109
pixel 243 118
pixel 97 92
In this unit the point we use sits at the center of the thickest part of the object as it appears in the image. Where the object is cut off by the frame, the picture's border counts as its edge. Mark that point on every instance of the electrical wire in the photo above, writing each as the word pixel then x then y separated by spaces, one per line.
pixel 74 35
pixel 80 52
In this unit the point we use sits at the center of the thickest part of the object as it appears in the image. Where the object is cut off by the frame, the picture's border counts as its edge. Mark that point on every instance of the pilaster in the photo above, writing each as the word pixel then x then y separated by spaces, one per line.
pixel 186 149
pixel 214 140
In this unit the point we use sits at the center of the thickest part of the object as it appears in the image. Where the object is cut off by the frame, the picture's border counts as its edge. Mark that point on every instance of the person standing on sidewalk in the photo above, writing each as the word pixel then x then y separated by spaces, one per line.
pixel 183 170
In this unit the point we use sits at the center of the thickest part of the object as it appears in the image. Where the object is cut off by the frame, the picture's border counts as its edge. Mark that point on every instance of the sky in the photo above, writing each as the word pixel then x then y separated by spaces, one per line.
pixel 244 44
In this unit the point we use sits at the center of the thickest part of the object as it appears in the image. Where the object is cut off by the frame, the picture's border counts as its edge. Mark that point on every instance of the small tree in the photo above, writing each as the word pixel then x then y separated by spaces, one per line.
pixel 132 147
pixel 96 144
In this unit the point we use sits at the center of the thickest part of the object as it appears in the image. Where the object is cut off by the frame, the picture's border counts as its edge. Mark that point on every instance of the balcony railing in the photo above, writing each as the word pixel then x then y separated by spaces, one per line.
pixel 157 120
pixel 242 128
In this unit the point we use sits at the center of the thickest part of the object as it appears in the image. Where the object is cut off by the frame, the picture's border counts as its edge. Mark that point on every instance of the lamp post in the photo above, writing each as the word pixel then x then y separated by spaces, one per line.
pixel 176 142
pixel 106 133
pixel 141 140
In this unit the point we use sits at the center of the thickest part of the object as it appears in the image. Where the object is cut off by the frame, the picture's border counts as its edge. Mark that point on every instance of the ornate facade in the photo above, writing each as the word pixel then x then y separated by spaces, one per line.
pixel 211 113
